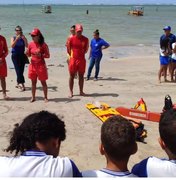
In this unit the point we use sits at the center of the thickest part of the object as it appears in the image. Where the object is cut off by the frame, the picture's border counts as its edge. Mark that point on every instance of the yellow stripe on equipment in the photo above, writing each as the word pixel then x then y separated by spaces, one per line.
pixel 103 111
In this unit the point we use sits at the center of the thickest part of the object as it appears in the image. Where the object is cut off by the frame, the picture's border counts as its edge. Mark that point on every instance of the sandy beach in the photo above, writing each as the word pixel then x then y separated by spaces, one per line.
pixel 127 74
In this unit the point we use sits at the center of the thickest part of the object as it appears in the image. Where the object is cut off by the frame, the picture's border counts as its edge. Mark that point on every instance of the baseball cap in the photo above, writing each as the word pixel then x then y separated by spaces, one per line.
pixel 167 28
pixel 78 27
pixel 35 32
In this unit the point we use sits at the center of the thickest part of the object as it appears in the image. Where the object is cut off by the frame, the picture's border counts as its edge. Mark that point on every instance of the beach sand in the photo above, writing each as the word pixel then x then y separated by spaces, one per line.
pixel 127 74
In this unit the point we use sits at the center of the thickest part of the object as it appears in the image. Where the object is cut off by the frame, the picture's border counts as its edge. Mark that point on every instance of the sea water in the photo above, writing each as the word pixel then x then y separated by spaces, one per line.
pixel 113 22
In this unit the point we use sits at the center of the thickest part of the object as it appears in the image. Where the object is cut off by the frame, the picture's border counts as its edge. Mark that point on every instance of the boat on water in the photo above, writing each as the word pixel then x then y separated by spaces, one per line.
pixel 136 11
pixel 46 9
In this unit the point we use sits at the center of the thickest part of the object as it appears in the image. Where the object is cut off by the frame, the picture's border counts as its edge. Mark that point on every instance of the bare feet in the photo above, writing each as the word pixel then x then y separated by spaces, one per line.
pixel 32 100
pixel 166 80
pixel 46 100
pixel 23 89
pixel 71 95
pixel 82 94
pixel 5 97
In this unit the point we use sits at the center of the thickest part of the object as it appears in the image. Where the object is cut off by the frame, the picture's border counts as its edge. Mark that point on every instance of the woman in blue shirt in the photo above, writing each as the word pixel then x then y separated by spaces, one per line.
pixel 18 44
pixel 96 46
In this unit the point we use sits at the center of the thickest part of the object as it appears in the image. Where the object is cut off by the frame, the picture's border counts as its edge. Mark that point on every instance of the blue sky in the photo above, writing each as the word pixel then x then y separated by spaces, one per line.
pixel 88 1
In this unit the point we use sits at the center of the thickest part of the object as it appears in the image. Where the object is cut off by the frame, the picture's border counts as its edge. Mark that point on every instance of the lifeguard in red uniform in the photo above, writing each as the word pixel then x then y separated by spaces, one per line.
pixel 77 47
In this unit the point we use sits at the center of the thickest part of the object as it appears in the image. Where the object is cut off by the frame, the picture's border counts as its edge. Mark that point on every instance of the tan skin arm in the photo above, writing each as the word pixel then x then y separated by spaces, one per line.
pixel 69 48
pixel 87 46
pixel 104 47
pixel 14 41
pixel 90 52
pixel 5 51
pixel 47 53
pixel 25 41
pixel 174 50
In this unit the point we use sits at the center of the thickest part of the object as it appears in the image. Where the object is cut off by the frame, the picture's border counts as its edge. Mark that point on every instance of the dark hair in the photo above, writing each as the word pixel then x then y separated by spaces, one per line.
pixel 41 39
pixel 96 32
pixel 118 137
pixel 164 43
pixel 19 27
pixel 167 129
pixel 40 126
pixel 73 26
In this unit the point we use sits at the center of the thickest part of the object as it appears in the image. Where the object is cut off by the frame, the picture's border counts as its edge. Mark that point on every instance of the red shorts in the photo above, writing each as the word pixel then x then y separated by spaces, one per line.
pixel 3 69
pixel 38 70
pixel 77 66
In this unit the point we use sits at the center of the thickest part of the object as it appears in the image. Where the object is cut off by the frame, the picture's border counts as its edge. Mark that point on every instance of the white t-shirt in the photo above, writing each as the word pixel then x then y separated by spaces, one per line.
pixel 37 164
pixel 173 54
pixel 106 173
pixel 162 52
pixel 155 167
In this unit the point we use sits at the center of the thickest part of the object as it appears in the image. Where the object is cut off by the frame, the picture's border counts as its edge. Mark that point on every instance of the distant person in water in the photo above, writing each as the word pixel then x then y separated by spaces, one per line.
pixel 96 46
pixel 18 44
pixel 77 48
pixel 3 65
pixel 38 51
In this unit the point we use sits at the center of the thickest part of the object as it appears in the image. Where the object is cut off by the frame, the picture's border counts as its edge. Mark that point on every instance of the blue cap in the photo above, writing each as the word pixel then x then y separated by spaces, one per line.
pixel 167 28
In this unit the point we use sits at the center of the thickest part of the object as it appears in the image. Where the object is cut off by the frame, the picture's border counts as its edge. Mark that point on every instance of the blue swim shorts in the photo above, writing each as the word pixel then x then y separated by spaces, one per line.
pixel 164 60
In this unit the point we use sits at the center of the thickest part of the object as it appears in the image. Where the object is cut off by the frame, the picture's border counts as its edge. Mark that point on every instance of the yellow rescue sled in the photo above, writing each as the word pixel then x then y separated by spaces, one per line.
pixel 103 111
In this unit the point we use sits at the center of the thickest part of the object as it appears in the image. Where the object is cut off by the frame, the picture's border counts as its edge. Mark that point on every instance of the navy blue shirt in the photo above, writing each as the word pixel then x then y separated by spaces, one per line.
pixel 19 47
pixel 96 45
pixel 172 39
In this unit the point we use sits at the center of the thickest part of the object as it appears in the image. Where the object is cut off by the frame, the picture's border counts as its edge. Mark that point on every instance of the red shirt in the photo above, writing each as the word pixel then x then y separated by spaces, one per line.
pixel 78 46
pixel 3 48
pixel 38 52
pixel 68 39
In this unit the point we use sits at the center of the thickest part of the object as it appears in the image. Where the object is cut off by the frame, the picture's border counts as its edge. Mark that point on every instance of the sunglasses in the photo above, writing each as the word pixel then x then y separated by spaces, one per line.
pixel 17 30
pixel 33 35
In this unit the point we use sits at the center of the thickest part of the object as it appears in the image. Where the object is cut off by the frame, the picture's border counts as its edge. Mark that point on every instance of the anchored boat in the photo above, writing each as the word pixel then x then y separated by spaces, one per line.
pixel 46 9
pixel 136 11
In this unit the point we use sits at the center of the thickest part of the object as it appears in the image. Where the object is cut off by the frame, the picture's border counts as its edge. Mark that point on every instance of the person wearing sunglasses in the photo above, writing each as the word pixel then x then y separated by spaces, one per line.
pixel 38 50
pixel 18 44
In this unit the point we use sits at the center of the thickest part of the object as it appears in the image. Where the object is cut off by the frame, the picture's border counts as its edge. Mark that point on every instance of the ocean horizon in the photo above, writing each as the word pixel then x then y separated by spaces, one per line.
pixel 113 22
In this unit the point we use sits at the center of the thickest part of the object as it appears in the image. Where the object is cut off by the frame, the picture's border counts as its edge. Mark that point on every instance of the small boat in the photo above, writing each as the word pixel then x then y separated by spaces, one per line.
pixel 46 9
pixel 136 11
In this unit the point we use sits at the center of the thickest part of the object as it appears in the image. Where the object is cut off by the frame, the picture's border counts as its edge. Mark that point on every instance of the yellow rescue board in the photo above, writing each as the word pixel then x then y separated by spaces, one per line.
pixel 103 112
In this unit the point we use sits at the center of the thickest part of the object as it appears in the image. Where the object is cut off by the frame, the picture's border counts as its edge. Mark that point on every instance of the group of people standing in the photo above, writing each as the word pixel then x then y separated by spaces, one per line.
pixel 37 49
pixel 77 46
pixel 167 55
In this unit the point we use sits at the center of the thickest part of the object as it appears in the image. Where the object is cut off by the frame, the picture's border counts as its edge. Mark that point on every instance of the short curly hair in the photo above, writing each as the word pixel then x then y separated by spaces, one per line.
pixel 118 137
pixel 40 126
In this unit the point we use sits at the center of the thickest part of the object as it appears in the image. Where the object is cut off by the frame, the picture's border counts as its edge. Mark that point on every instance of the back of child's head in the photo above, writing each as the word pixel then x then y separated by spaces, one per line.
pixel 167 129
pixel 118 138
pixel 36 127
